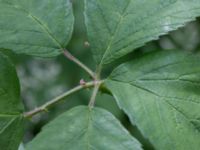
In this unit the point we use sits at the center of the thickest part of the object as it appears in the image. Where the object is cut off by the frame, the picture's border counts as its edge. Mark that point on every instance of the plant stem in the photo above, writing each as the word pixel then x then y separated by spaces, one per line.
pixel 94 94
pixel 79 63
pixel 96 88
pixel 52 102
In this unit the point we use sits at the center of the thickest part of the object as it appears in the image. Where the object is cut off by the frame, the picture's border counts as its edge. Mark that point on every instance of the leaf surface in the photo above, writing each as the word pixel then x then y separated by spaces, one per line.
pixel 35 27
pixel 84 129
pixel 11 120
pixel 116 27
pixel 160 92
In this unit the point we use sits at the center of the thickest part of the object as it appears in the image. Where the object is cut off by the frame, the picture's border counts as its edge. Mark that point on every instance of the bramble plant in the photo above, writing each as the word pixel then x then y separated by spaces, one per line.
pixel 159 92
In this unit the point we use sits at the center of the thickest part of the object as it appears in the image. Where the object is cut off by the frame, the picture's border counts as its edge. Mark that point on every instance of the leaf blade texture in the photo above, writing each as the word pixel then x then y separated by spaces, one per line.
pixel 11 120
pixel 160 94
pixel 81 128
pixel 34 27
pixel 117 27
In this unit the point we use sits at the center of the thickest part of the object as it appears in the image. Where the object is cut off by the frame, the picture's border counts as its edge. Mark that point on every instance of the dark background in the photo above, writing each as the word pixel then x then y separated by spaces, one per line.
pixel 43 79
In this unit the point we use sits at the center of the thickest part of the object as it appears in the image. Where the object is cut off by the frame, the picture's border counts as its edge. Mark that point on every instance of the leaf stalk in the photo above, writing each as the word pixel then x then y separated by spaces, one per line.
pixel 46 106
pixel 79 63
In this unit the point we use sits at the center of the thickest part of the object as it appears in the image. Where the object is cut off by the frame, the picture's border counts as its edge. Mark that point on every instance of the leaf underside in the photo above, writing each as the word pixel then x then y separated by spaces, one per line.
pixel 35 27
pixel 160 93
pixel 11 121
pixel 116 27
pixel 84 129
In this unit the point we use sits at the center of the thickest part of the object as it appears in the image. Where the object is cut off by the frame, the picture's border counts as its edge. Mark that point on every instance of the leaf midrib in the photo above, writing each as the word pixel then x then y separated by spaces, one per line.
pixel 115 31
pixel 37 21
pixel 85 131
pixel 89 119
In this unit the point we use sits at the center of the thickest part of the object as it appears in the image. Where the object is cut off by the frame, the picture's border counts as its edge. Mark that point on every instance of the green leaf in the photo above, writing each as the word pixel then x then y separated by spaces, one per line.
pixel 11 120
pixel 84 129
pixel 35 27
pixel 160 93
pixel 116 27
pixel 21 147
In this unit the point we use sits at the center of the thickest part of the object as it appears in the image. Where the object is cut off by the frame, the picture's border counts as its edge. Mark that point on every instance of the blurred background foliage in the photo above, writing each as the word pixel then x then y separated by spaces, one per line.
pixel 43 79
